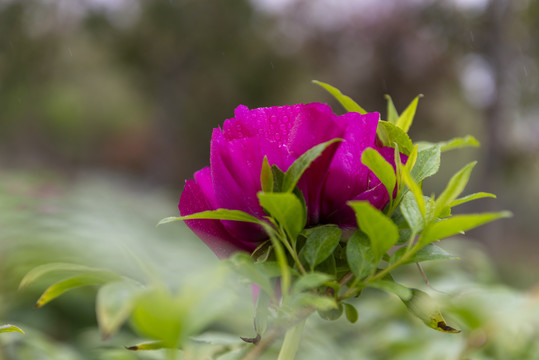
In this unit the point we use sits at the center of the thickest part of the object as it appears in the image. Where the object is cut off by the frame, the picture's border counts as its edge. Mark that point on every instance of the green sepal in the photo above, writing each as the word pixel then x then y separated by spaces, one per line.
pixel 266 176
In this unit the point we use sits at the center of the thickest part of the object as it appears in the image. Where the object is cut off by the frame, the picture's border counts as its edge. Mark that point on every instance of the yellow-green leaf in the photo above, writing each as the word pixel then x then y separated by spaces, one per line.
pixel 349 104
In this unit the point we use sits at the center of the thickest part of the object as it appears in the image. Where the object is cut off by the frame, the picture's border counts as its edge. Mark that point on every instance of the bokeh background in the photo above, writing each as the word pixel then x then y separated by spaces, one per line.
pixel 107 106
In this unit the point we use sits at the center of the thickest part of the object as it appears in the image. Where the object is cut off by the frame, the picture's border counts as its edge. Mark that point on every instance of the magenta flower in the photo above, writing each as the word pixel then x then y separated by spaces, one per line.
pixel 283 133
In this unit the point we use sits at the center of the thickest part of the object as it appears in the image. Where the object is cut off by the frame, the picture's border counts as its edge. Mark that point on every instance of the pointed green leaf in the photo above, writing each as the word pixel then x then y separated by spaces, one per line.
pixel 391 287
pixel 65 269
pixel 412 212
pixel 383 170
pixel 266 176
pixel 454 188
pixel 114 304
pixel 310 281
pixel 424 307
pixel 390 134
pixel 349 104
pixel 287 209
pixel 407 117
pixel 159 315
pixel 351 313
pixel 319 302
pixel 471 197
pixel 457 224
pixel 263 302
pixel 246 267
pixel 428 253
pixel 320 244
pixel 152 345
pixel 10 328
pixel 72 283
pixel 455 143
pixel 427 163
pixel 392 115
pixel 382 232
pixel 359 255
pixel 296 170
pixel 219 214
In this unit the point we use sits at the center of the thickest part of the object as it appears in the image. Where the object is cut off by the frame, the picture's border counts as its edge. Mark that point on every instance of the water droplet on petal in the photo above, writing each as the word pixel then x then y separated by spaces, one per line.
pixel 277 136
pixel 273 118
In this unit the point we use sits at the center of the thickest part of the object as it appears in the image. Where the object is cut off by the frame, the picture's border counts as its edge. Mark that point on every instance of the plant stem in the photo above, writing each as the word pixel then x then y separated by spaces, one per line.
pixel 291 341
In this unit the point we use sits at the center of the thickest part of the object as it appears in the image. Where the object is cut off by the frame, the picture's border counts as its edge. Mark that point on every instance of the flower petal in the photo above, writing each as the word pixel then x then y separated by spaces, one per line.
pixel 347 176
pixel 196 198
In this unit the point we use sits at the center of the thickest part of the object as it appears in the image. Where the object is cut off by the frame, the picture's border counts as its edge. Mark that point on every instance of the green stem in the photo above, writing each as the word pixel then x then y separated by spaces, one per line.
pixel 291 341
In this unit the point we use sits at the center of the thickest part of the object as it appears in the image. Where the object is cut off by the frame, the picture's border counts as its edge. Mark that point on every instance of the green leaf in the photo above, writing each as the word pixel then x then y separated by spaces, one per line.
pixel 391 134
pixel 10 328
pixel 219 214
pixel 457 224
pixel 359 255
pixel 320 244
pixel 65 269
pixel 287 209
pixel 296 170
pixel 427 163
pixel 151 345
pixel 456 143
pixel 429 252
pixel 266 176
pixel 411 211
pixel 244 265
pixel 392 115
pixel 263 302
pixel 332 314
pixel 382 232
pixel 310 281
pixel 349 104
pixel 454 188
pixel 383 170
pixel 159 315
pixel 423 306
pixel 74 282
pixel 471 197
pixel 319 302
pixel 114 304
pixel 407 117
pixel 391 287
pixel 351 313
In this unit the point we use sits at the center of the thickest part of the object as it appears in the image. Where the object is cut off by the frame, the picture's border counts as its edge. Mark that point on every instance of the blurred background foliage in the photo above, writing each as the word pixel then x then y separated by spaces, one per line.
pixel 106 106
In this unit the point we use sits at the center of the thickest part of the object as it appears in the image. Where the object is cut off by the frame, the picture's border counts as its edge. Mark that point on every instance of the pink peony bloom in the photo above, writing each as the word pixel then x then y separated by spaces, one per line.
pixel 283 133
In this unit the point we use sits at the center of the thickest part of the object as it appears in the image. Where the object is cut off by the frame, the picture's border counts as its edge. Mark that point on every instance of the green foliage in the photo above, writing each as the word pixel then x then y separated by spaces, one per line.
pixel 381 168
pixel 381 231
pixel 10 328
pixel 302 163
pixel 349 104
pixel 320 244
pixel 299 270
